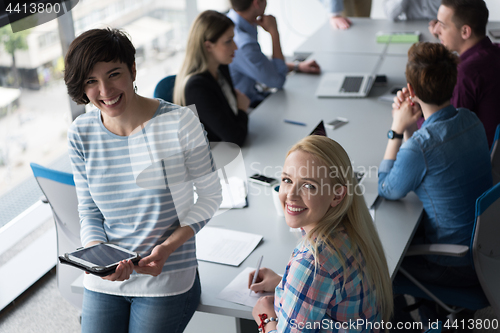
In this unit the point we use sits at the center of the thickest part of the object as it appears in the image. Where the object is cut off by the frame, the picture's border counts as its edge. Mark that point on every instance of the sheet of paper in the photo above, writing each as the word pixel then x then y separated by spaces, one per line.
pixel 234 194
pixel 237 291
pixel 225 246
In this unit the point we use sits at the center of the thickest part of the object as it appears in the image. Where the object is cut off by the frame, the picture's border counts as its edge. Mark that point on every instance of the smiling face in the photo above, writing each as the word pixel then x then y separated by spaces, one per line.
pixel 446 30
pixel 109 86
pixel 306 192
pixel 222 51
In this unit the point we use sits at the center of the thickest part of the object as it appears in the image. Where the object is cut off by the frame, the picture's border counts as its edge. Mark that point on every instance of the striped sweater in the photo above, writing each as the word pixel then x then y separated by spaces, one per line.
pixel 135 190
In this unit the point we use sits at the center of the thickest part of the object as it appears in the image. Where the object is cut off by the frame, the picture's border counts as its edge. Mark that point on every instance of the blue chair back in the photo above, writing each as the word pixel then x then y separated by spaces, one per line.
pixel 165 89
pixel 55 175
pixel 485 253
pixel 436 329
pixel 59 190
pixel 495 157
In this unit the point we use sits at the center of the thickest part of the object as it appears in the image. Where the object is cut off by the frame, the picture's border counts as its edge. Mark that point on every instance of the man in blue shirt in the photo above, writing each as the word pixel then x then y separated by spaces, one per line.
pixel 252 72
pixel 446 163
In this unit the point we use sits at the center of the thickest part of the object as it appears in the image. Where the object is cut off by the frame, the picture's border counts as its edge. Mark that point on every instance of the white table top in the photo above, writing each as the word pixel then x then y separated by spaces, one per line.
pixel 361 37
pixel 364 138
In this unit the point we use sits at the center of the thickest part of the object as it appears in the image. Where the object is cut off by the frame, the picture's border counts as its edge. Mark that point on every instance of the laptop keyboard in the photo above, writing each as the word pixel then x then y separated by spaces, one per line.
pixel 352 84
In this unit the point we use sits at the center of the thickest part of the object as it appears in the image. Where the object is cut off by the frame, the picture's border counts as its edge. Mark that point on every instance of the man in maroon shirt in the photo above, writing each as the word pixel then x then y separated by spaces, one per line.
pixel 461 27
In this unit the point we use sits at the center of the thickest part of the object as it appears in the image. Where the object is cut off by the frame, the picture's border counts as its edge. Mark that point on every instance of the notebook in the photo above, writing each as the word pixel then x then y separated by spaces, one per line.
pixel 345 85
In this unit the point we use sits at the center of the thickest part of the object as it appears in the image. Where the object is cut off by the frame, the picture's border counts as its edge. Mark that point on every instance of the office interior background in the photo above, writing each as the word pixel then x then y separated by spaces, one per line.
pixel 35 113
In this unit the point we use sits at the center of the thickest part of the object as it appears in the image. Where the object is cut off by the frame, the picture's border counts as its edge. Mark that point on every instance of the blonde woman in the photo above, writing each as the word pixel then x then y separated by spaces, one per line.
pixel 337 276
pixel 204 79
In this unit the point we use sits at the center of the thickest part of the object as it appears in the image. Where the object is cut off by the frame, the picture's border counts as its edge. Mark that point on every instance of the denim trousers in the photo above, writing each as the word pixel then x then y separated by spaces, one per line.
pixel 114 314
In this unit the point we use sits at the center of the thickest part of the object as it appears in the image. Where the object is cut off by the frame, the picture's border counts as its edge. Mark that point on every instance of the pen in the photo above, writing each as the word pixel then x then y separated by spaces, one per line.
pixel 294 122
pixel 256 273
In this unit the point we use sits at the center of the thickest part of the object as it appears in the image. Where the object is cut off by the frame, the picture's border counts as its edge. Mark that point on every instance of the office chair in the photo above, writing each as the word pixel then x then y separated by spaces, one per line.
pixel 59 190
pixel 495 157
pixel 485 250
pixel 165 89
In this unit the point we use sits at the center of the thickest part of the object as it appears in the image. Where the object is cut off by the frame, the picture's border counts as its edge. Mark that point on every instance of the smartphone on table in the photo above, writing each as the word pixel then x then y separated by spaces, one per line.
pixel 336 123
pixel 262 180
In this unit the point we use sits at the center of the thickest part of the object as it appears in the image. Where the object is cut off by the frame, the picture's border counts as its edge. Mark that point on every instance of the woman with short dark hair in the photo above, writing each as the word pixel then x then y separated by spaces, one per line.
pixel 132 159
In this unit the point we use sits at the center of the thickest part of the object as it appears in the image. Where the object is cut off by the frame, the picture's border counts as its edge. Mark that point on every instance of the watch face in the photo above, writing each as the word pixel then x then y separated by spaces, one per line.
pixel 393 135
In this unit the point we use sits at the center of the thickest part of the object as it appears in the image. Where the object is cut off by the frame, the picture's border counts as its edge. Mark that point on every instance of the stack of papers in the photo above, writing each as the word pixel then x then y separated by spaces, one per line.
pixel 225 246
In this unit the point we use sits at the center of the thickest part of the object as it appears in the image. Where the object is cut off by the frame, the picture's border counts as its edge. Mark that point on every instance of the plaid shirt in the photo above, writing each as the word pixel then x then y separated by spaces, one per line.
pixel 310 300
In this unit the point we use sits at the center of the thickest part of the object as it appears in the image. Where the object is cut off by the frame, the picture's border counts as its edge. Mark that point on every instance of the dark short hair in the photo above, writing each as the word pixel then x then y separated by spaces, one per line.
pixel 241 5
pixel 91 47
pixel 473 13
pixel 432 72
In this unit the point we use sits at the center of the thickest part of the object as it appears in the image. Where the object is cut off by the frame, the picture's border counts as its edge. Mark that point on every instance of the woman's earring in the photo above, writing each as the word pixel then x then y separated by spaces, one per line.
pixel 135 88
pixel 412 103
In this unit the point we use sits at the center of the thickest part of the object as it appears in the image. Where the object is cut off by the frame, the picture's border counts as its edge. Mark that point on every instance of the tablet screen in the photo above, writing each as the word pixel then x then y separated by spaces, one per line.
pixel 102 255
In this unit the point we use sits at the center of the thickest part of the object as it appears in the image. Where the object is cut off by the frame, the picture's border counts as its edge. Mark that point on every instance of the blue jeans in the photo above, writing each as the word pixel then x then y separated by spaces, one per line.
pixel 109 313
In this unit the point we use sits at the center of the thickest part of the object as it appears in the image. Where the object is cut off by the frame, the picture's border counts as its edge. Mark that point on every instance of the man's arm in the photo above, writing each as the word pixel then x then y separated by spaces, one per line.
pixel 394 8
pixel 336 7
pixel 269 24
pixel 401 171
pixel 254 64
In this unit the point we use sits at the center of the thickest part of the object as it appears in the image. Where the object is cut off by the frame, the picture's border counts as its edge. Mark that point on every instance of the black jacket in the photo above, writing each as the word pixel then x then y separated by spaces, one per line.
pixel 216 115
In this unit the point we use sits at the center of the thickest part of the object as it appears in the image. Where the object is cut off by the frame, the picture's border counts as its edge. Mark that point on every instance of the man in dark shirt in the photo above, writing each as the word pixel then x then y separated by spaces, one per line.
pixel 461 27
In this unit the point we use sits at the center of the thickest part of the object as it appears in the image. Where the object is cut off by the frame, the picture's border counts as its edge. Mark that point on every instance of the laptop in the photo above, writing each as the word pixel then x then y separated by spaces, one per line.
pixel 345 85
pixel 319 129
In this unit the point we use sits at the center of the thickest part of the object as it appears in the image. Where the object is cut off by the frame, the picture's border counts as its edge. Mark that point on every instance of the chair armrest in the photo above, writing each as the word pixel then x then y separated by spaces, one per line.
pixel 451 250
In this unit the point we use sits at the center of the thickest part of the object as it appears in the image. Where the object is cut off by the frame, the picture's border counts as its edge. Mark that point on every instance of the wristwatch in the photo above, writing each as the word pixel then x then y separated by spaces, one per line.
pixel 393 135
pixel 296 66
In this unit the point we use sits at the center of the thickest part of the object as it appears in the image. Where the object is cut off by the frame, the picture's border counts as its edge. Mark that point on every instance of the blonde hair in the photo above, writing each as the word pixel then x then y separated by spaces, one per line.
pixel 352 213
pixel 209 25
